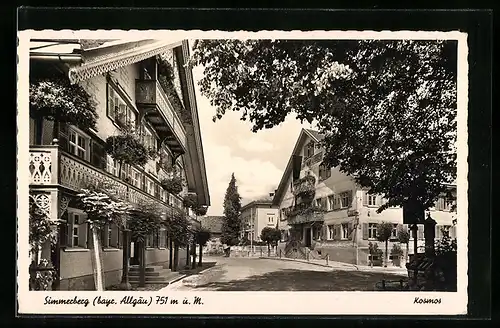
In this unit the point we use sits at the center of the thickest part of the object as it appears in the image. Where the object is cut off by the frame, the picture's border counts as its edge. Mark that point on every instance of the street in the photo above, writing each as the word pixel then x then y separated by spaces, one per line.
pixel 255 274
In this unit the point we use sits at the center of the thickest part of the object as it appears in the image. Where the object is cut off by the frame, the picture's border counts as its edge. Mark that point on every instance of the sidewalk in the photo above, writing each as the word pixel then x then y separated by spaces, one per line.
pixel 344 266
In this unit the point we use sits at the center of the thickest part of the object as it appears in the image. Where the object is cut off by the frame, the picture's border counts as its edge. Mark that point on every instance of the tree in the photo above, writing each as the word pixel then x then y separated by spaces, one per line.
pixel 404 238
pixel 387 109
pixel 202 237
pixel 271 236
pixel 55 99
pixel 178 231
pixel 384 232
pixel 231 222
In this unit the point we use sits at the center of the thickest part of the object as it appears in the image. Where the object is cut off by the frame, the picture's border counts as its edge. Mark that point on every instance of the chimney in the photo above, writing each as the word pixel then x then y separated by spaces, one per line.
pixel 271 194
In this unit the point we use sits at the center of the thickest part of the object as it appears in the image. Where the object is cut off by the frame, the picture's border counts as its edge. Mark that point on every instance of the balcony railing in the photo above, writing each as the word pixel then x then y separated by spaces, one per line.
pixel 48 165
pixel 313 159
pixel 150 92
pixel 303 214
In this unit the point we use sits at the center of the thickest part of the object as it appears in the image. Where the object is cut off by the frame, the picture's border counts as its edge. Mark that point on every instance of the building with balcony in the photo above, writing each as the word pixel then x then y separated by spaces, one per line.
pixel 124 79
pixel 255 216
pixel 327 212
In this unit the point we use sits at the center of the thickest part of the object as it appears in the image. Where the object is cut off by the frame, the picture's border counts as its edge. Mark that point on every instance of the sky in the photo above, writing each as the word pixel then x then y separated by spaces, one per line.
pixel 257 159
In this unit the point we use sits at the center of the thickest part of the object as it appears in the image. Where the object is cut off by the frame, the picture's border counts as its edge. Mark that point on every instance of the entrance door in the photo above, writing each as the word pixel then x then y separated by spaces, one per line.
pixel 135 259
pixel 308 237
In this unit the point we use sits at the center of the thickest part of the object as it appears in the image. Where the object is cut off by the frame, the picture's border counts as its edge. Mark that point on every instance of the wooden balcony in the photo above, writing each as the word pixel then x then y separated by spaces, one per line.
pixel 50 167
pixel 305 214
pixel 313 159
pixel 157 109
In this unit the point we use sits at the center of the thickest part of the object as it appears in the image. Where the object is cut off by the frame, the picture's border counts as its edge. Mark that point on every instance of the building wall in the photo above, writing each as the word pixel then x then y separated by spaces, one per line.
pixel 77 271
pixel 355 248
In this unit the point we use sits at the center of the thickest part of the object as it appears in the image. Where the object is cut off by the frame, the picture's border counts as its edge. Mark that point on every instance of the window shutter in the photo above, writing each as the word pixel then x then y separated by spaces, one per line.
pixel 63 234
pixel 111 102
pixel 98 157
pixel 119 242
pixel 453 232
pixel 365 231
pixel 365 198
pixel 437 230
pixel 378 200
pixel 63 136
pixel 82 234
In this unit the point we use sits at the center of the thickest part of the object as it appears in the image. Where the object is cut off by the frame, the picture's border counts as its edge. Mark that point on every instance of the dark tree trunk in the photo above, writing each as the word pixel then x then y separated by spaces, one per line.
pixel 176 257
pixel 188 256
pixel 125 285
pixel 170 253
pixel 386 255
pixel 268 250
pixel 142 264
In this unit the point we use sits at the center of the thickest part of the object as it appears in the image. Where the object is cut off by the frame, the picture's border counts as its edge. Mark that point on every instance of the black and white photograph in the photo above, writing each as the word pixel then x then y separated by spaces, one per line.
pixel 164 167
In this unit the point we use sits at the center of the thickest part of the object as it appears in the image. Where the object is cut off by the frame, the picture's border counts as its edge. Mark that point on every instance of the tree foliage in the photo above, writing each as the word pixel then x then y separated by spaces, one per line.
pixel 203 235
pixel 387 108
pixel 270 235
pixel 40 226
pixel 56 99
pixel 232 209
pixel 102 207
pixel 178 227
pixel 145 219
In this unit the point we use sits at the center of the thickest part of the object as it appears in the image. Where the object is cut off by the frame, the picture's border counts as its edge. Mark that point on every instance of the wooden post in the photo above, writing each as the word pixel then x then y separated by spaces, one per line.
pixel 414 230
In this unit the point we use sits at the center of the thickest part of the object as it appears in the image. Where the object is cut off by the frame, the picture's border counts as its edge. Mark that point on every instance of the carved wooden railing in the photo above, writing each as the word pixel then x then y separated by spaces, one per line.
pixel 151 92
pixel 50 166
pixel 313 159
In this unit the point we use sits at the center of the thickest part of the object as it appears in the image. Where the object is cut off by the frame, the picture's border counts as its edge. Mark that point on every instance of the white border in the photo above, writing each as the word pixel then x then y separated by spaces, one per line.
pixel 233 303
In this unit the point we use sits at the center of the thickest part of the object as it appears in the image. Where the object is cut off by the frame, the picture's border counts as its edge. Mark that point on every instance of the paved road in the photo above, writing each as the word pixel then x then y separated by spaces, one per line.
pixel 254 274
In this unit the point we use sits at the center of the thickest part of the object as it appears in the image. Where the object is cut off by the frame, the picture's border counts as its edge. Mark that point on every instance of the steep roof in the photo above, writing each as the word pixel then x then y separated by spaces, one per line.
pixel 314 135
pixel 212 223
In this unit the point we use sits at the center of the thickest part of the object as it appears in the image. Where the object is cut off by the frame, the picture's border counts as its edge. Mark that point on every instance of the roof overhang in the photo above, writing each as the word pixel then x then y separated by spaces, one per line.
pixel 116 54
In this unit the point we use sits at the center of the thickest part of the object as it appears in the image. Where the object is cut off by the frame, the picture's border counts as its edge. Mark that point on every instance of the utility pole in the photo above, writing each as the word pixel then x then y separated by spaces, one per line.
pixel 251 229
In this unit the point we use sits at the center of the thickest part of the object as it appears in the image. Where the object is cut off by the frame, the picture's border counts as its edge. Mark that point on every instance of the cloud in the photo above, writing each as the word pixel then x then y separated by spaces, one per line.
pixel 255 144
pixel 254 177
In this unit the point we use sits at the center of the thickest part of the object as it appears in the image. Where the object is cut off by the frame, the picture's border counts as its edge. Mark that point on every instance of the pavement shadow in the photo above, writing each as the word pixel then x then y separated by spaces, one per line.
pixel 305 280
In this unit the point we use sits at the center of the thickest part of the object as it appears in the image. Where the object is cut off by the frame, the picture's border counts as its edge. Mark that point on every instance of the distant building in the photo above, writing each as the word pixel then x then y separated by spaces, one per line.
pixel 257 215
pixel 341 220
pixel 214 224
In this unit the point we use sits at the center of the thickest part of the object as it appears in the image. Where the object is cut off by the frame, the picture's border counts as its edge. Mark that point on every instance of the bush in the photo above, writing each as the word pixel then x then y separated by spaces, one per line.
pixel 396 251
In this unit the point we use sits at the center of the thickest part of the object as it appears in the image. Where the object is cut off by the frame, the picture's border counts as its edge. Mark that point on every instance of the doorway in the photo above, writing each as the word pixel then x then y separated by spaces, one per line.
pixel 134 260
pixel 308 237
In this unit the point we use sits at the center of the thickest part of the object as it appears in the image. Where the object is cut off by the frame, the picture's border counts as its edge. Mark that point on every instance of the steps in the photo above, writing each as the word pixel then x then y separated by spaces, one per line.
pixel 154 275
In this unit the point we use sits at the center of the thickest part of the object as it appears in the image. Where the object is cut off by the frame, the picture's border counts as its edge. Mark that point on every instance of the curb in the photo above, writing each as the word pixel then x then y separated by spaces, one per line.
pixel 312 263
pixel 182 276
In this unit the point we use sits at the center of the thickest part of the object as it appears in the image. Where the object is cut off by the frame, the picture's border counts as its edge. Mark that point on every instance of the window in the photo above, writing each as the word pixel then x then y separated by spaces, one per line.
pixel 270 219
pixel 111 165
pixel 345 230
pixel 331 202
pixel 331 232
pixel 372 200
pixel 135 178
pixel 77 229
pixel 118 109
pixel 394 233
pixel 345 199
pixel 150 186
pixel 79 144
pixel 149 138
pixel 372 231
pixel 309 150
pixel 324 172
